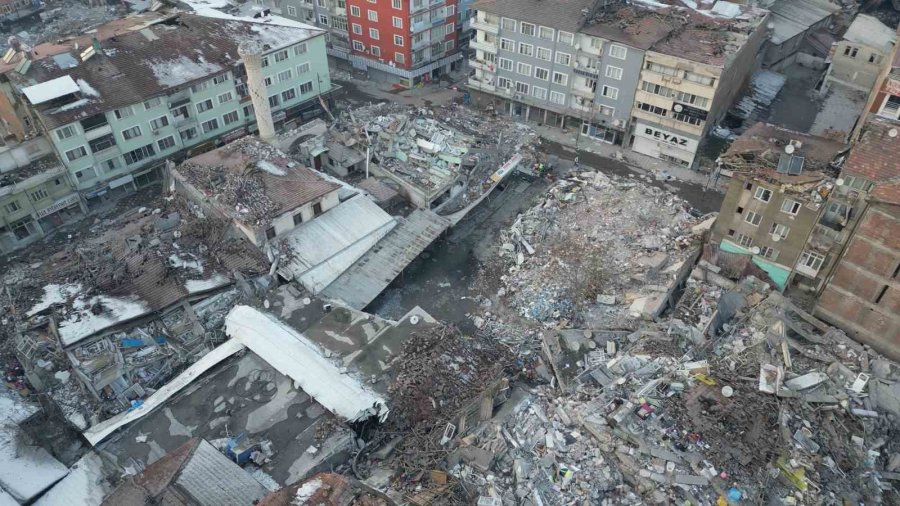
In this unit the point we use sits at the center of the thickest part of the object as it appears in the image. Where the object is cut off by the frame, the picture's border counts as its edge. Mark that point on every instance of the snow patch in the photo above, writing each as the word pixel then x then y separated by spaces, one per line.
pixel 186 263
pixel 84 486
pixel 87 89
pixel 263 478
pixel 270 167
pixel 181 70
pixel 26 471
pixel 202 285
pixel 306 491
pixel 82 322
pixel 55 294
pixel 74 105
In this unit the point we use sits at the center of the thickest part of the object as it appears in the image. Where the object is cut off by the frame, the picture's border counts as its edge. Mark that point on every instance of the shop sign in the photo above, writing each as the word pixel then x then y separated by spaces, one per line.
pixel 58 206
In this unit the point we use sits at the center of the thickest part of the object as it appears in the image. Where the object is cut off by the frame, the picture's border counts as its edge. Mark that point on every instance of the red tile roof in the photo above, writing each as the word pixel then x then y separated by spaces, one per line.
pixel 888 193
pixel 876 155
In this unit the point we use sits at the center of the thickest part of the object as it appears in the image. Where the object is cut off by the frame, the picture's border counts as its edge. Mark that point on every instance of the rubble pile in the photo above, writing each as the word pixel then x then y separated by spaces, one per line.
pixel 747 418
pixel 597 250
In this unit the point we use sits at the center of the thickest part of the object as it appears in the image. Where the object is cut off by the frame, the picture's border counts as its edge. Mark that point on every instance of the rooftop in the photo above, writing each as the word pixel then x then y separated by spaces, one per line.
pixel 168 55
pixel 763 144
pixel 253 182
pixel 36 167
pixel 875 154
pixel 793 17
pixel 888 193
pixel 870 31
pixel 567 15
pixel 638 27
pixel 709 39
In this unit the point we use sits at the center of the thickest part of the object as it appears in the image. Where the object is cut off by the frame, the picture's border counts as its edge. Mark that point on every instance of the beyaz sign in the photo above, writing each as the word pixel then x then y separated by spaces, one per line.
pixel 668 138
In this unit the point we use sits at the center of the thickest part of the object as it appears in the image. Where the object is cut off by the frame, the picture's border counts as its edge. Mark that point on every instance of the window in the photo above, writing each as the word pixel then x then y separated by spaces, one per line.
pixel 274 101
pixel 507 45
pixel 306 87
pixel 167 143
pixel 280 56
pixel 286 96
pixel 526 49
pixel 542 74
pixel 131 133
pixel 606 111
pixel 763 194
pixel 265 61
pixel 505 64
pixel 302 68
pixel 139 154
pixel 160 122
pixel 339 22
pixel 563 58
pixel 209 126
pixel 610 92
pixel 181 112
pixel 697 78
pixel 205 105
pixel 768 252
pixel 38 195
pixel 357 29
pixel 398 40
pixel 358 46
pixel 268 81
pixel 291 11
pixel 614 72
pixel 397 22
pixel 376 51
pixel 13 207
pixel 248 110
pixel 298 218
pixel 449 28
pixel 323 19
pixel 397 4
pixel 504 83
pixel 522 88
pixel 448 45
pixel 744 240
pixel 373 15
pixel 399 58
pixel 354 11
pixel 858 183
pixel 753 218
pixel 875 58
pixel 662 69
pixel 317 208
pixel 373 33
pixel 22 229
pixel 652 109
pixel 539 93
pixel 110 165
pixel 780 231
pixel 523 68
pixel 221 78
pixel 544 53
pixel 102 143
pixel 197 88
pixel 527 29
pixel 811 260
pixel 66 132
pixel 545 33
pixel 560 78
pixel 233 116
pixel 851 51
pixel 284 75
pixel 557 97
pixel 617 51
pixel 508 24
pixel 188 134
pixel 566 38
pixel 123 112
pixel 270 233
pixel 790 207
pixel 451 10
pixel 153 102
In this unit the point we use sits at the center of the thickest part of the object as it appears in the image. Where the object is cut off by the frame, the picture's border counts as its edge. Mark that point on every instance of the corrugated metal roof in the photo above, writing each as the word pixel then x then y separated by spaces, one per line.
pixel 213 480
pixel 793 17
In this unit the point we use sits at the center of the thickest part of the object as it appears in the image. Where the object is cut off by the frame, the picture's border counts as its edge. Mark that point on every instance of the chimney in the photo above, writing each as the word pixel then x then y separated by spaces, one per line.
pixel 251 54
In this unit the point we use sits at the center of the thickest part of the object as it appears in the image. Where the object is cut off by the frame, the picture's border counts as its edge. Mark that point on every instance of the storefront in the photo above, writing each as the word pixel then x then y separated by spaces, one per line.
pixel 601 133
pixel 659 143
pixel 60 212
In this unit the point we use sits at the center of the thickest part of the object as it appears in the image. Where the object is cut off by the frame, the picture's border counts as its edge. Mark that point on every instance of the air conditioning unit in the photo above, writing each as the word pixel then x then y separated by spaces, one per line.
pixel 776 238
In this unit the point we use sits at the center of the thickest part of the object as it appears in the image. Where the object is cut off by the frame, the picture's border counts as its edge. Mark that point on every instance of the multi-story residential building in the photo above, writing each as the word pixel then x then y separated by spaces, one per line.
pixel 36 195
pixel 118 109
pixel 872 161
pixel 690 78
pixel 776 195
pixel 862 296
pixel 861 56
pixel 12 10
pixel 539 60
pixel 330 15
pixel 887 99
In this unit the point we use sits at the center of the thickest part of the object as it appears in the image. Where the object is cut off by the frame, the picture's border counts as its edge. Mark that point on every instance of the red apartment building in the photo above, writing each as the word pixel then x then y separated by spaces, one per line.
pixel 413 40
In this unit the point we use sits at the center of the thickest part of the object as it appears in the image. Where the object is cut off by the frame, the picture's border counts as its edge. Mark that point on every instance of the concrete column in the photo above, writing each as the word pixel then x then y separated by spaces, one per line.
pixel 251 54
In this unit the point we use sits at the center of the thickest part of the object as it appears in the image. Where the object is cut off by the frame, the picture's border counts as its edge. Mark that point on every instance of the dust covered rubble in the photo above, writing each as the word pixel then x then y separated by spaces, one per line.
pixel 597 251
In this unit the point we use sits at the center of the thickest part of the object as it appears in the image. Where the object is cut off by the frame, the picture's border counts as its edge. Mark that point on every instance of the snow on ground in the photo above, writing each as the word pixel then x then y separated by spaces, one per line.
pixel 181 70
pixel 270 167
pixel 82 322
pixel 7 500
pixel 295 356
pixel 306 491
pixel 55 294
pixel 84 486
pixel 26 471
pixel 202 285
pixel 86 88
pixel 186 263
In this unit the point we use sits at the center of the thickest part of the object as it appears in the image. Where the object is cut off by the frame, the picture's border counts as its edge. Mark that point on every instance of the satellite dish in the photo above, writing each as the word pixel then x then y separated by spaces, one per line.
pixel 776 237
pixel 839 182
pixel 892 133
pixel 755 250
pixel 789 149
pixel 678 108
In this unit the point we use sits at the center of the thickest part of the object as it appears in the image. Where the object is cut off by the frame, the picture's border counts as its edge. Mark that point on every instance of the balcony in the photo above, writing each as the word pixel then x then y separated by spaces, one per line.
pixel 584 92
pixel 475 63
pixel 480 25
pixel 419 26
pixel 425 41
pixel 482 84
pixel 487 47
pixel 587 72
